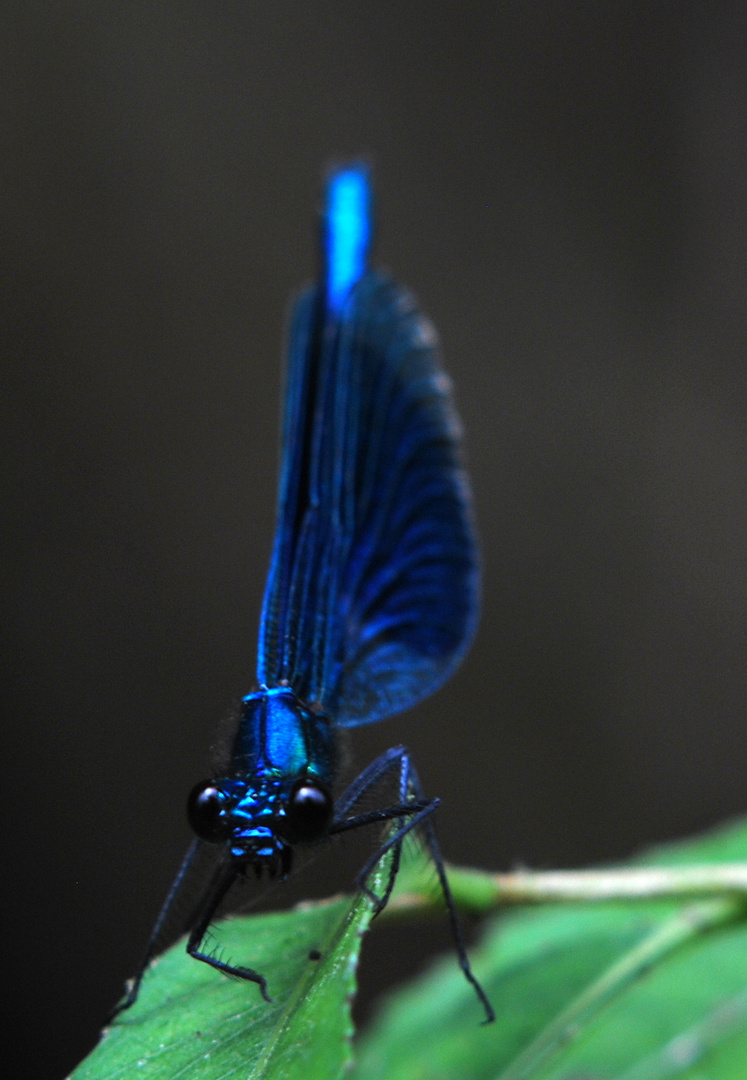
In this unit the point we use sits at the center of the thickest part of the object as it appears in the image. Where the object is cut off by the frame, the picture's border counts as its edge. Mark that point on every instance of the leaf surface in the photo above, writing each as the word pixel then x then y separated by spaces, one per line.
pixel 191 1021
pixel 609 991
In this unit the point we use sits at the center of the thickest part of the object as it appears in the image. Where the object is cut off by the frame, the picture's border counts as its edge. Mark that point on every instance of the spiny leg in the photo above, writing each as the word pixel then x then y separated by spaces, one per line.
pixel 397 757
pixel 153 941
pixel 418 810
pixel 411 782
pixel 221 883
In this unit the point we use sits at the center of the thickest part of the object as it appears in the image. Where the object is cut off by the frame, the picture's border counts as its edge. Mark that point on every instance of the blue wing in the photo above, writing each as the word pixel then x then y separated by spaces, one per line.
pixel 371 599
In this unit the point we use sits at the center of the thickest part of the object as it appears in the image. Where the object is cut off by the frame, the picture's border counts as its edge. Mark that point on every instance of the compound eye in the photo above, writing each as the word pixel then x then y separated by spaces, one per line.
pixel 206 812
pixel 309 811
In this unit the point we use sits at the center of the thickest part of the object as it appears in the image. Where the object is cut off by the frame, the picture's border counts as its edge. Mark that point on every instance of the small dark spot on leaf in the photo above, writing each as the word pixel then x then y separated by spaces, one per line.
pixel 314 954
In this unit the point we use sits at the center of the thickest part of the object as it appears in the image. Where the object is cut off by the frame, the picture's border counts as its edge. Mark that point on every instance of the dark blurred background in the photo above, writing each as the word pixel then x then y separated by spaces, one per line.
pixel 563 186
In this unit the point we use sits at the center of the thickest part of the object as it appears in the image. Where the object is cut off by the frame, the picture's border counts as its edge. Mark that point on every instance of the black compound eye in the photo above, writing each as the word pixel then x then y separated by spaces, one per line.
pixel 309 811
pixel 205 812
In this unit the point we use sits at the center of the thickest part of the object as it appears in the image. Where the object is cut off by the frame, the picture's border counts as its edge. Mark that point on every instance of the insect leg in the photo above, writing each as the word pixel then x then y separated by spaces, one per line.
pixel 154 940
pixel 392 759
pixel 418 811
pixel 221 883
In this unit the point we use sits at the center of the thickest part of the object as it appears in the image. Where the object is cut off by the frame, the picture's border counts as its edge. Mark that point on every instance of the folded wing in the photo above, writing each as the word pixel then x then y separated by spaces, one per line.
pixel 371 599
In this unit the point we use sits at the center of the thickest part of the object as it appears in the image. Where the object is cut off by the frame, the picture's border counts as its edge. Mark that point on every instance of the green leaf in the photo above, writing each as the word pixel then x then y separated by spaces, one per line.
pixel 191 1021
pixel 634 990
pixel 611 991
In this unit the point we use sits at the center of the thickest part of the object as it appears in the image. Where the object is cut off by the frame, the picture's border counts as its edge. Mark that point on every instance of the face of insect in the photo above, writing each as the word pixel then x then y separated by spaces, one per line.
pixel 261 822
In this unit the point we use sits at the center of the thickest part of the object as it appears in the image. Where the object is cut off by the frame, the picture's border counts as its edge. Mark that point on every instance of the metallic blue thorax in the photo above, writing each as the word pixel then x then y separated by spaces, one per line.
pixel 278 740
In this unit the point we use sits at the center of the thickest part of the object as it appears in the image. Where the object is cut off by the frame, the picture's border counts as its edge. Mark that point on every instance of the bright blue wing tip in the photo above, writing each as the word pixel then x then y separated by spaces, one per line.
pixel 347 231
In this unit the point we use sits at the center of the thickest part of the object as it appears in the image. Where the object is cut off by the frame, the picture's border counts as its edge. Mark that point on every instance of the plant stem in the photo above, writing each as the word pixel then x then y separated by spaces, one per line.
pixel 479 892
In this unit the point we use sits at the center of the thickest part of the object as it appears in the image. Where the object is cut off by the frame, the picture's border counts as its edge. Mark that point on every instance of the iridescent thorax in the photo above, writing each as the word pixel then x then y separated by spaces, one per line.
pixel 282 749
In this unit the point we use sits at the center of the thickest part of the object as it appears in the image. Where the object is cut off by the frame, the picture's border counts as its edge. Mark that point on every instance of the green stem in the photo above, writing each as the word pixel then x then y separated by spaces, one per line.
pixel 479 892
